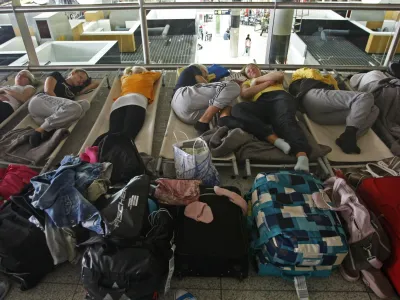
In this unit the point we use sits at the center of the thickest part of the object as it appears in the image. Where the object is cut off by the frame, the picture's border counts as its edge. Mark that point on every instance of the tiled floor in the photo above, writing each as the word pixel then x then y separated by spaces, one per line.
pixel 64 283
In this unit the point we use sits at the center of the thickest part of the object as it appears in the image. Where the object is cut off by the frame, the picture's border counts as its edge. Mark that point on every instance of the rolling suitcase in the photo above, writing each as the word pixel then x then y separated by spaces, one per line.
pixel 382 196
pixel 219 248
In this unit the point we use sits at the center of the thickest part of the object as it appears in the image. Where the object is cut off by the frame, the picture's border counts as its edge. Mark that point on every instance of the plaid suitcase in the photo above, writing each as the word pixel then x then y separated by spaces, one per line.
pixel 291 236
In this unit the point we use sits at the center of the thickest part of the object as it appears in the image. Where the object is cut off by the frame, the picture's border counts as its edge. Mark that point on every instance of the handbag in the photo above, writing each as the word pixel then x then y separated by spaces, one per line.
pixel 193 161
pixel 126 215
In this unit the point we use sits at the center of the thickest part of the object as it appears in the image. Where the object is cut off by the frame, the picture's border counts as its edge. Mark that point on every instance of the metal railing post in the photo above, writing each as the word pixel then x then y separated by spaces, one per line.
pixel 25 34
pixel 145 34
pixel 393 46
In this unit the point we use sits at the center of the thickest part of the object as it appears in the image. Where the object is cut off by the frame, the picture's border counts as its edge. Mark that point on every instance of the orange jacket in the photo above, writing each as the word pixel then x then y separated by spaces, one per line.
pixel 140 83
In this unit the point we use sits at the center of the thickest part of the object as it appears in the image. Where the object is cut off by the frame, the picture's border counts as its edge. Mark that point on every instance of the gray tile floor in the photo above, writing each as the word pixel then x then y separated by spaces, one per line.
pixel 64 283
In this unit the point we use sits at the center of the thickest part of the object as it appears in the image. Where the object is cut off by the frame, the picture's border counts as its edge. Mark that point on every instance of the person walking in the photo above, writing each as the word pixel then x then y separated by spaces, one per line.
pixel 247 45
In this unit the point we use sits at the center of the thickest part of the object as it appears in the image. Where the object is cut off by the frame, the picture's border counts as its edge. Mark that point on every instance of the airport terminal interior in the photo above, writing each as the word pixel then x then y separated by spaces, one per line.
pixel 219 45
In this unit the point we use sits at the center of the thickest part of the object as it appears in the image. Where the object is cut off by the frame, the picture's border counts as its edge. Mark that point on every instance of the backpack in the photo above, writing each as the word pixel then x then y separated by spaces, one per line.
pixel 121 151
pixel 291 236
pixel 135 269
pixel 24 255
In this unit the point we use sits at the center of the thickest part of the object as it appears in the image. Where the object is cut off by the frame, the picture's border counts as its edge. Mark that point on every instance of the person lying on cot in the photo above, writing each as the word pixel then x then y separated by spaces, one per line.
pixel 55 108
pixel 195 101
pixel 128 112
pixel 13 96
pixel 325 104
pixel 269 113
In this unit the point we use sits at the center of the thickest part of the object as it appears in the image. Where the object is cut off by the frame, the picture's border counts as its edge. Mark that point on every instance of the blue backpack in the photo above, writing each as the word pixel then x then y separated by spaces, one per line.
pixel 291 235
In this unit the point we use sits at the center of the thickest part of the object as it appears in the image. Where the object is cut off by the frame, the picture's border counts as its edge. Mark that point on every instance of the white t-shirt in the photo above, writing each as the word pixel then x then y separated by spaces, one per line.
pixel 130 99
pixel 16 88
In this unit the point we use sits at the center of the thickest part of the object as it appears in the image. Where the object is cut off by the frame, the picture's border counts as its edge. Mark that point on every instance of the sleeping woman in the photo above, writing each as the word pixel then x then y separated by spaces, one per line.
pixel 13 96
pixel 128 112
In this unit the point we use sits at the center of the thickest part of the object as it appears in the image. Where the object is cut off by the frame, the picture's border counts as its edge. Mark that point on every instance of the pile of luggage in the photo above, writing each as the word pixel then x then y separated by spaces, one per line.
pixel 142 230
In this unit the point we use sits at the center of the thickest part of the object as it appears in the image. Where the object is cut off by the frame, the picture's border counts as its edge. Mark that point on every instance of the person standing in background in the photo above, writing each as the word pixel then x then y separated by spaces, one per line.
pixel 247 45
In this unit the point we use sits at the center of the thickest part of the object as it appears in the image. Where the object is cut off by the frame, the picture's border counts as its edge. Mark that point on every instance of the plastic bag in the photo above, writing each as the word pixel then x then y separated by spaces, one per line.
pixel 197 164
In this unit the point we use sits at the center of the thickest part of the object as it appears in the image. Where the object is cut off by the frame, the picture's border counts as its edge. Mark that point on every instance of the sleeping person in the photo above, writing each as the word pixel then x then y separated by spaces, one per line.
pixel 325 104
pixel 269 113
pixel 196 101
pixel 55 108
pixel 13 96
pixel 128 112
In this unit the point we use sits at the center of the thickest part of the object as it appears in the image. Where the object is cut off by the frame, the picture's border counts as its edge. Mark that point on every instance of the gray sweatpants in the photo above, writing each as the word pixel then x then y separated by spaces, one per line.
pixel 333 107
pixel 55 112
pixel 190 103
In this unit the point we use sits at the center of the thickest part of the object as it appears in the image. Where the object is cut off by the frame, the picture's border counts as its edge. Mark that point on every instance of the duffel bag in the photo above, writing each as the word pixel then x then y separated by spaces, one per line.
pixel 382 197
pixel 24 254
pixel 291 235
pixel 135 269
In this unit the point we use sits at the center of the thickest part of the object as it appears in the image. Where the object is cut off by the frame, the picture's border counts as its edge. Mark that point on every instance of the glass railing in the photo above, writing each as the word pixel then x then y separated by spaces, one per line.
pixel 59 34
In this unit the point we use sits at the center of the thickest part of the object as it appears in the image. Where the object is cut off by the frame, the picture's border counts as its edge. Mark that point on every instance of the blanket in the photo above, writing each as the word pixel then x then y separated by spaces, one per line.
pixel 223 141
pixel 386 91
pixel 15 147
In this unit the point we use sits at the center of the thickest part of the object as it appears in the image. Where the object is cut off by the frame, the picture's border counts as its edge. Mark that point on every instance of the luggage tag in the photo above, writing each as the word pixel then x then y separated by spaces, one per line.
pixel 301 287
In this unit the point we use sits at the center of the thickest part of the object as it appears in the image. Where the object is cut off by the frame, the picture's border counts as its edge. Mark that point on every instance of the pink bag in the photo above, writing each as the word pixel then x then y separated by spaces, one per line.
pixel 177 191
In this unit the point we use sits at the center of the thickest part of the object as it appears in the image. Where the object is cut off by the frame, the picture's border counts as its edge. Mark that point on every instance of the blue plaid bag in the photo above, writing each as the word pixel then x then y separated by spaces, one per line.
pixel 291 235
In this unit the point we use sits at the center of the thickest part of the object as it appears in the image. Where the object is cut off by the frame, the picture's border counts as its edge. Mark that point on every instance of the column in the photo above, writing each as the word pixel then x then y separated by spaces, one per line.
pixel 279 30
pixel 26 35
pixel 235 23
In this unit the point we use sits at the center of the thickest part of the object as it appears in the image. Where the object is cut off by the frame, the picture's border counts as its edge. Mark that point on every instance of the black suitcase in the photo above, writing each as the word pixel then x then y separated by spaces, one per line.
pixel 219 248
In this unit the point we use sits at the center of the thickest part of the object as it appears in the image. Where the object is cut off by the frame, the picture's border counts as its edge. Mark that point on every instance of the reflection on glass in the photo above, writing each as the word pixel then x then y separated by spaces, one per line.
pixel 325 37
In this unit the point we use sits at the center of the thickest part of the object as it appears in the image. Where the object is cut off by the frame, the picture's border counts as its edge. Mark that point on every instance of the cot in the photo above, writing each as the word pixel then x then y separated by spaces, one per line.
pixel 144 140
pixel 29 122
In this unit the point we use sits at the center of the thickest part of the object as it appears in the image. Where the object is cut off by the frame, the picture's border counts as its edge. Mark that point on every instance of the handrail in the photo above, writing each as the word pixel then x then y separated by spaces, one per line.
pixel 202 5
pixel 175 66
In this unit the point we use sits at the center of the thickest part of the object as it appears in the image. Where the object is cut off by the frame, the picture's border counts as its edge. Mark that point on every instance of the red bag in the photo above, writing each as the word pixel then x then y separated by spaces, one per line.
pixel 13 179
pixel 382 196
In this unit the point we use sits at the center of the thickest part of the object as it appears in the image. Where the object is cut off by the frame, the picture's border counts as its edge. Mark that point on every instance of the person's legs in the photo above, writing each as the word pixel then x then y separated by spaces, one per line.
pixel 252 118
pixel 134 120
pixel 117 120
pixel 333 107
pixel 220 95
pixel 5 111
pixel 52 113
pixel 282 113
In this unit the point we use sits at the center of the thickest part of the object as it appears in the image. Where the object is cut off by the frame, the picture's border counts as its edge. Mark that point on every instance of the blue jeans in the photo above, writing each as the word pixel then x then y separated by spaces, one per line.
pixel 59 193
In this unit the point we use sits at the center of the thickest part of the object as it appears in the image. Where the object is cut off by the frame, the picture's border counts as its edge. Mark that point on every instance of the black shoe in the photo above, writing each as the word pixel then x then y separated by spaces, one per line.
pixel 201 127
pixel 35 139
pixel 348 141
pixel 47 135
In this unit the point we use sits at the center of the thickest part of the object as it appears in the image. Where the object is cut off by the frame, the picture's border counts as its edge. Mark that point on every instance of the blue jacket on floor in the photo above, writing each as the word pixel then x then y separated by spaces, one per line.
pixel 59 193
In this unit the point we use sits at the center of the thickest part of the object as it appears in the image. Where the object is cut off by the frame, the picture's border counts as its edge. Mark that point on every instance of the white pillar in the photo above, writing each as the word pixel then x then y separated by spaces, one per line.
pixel 234 33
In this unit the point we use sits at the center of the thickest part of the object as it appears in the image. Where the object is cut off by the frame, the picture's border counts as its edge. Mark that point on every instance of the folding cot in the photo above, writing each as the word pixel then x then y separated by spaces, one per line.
pixel 29 122
pixel 10 81
pixel 144 140
pixel 372 148
pixel 176 127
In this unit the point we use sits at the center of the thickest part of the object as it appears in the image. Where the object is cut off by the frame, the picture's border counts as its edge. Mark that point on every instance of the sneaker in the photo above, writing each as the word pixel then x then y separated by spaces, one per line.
pixel 349 274
pixel 183 295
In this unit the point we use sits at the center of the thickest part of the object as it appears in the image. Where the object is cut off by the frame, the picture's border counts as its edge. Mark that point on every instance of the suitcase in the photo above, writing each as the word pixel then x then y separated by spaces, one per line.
pixel 382 196
pixel 219 248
